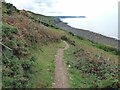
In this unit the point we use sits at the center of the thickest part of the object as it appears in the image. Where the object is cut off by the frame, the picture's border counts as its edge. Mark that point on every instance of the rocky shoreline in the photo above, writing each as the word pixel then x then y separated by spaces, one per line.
pixel 90 35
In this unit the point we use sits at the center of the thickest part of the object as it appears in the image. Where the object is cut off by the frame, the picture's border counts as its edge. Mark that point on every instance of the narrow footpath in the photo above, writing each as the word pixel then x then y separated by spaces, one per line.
pixel 60 78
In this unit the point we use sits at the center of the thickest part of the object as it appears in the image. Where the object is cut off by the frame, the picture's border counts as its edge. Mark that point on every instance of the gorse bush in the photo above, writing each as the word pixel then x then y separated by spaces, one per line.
pixel 7 30
pixel 17 65
pixel 105 72
pixel 81 38
pixel 72 42
pixel 107 48
pixel 16 72
pixel 101 46
pixel 20 33
pixel 71 33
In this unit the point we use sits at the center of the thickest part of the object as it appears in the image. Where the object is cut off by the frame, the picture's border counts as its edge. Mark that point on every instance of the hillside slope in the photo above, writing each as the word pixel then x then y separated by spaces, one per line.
pixel 21 35
pixel 30 42
pixel 90 66
pixel 90 35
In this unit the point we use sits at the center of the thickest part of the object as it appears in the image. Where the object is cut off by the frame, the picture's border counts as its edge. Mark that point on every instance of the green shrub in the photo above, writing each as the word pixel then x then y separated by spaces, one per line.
pixel 81 38
pixel 7 30
pixel 71 33
pixel 112 50
pixel 105 72
pixel 64 38
pixel 107 48
pixel 17 72
pixel 15 62
pixel 45 24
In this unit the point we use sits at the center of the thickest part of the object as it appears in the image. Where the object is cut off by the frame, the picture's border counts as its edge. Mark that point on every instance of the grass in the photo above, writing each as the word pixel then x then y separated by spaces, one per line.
pixel 44 76
pixel 28 38
pixel 88 46
pixel 80 79
pixel 43 44
pixel 78 73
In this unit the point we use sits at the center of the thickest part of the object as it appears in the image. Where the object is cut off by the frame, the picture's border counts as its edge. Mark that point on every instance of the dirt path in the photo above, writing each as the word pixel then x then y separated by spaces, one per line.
pixel 60 78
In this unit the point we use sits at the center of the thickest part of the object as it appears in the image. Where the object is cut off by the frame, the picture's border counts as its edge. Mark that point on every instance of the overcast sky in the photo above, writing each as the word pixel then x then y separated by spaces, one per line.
pixel 67 7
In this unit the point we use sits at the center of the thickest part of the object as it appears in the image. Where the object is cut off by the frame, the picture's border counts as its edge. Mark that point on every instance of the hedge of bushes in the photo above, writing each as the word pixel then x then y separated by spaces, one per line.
pixel 101 46
pixel 107 74
pixel 18 67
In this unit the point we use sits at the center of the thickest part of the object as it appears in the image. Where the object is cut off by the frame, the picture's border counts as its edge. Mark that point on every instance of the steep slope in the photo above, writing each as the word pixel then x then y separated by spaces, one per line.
pixel 49 21
pixel 30 42
pixel 21 34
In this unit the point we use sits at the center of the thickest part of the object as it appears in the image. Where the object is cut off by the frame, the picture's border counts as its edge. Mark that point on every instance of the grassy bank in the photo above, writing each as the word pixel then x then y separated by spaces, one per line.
pixel 44 75
pixel 28 61
pixel 90 66
pixel 26 47
pixel 30 42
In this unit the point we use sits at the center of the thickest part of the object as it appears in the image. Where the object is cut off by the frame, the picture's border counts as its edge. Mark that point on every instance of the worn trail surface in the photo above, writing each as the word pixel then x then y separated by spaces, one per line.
pixel 60 78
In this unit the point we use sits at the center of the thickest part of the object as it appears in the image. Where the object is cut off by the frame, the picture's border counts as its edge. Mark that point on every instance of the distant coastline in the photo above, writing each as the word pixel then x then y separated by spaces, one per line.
pixel 90 35
pixel 70 16
pixel 102 27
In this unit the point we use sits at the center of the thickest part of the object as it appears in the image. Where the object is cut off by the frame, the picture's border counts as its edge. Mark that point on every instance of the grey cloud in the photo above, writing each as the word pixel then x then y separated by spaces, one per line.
pixel 29 7
pixel 55 12
pixel 48 3
pixel 46 7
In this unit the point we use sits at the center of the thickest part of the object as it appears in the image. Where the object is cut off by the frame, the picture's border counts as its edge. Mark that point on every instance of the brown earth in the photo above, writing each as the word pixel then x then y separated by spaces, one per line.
pixel 60 78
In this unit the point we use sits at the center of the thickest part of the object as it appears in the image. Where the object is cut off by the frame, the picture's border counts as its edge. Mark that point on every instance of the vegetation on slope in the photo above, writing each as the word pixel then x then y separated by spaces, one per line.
pixel 20 34
pixel 90 66
pixel 30 42
pixel 48 21
pixel 44 76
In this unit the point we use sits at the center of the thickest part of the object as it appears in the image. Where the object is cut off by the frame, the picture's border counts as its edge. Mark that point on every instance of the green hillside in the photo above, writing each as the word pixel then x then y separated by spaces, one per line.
pixel 90 66
pixel 24 42
pixel 29 45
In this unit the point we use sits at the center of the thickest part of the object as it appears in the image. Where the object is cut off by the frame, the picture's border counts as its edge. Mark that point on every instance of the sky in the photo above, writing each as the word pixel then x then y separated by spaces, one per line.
pixel 67 7
pixel 102 14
